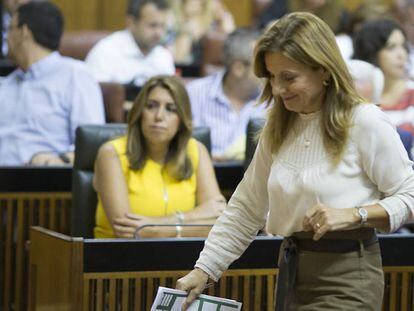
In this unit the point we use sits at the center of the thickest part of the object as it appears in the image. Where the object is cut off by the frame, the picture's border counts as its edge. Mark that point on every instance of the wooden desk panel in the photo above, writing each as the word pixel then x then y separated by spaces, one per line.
pixel 38 196
pixel 110 285
pixel 19 211
pixel 136 290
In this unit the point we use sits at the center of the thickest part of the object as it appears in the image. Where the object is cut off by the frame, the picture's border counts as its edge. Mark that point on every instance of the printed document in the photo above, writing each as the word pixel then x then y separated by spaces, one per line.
pixel 169 299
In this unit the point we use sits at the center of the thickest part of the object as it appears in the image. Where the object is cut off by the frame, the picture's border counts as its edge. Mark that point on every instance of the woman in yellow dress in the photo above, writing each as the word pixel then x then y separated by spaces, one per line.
pixel 157 173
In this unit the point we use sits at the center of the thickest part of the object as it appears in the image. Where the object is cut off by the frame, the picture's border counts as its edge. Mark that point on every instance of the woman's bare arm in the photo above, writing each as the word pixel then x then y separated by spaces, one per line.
pixel 109 183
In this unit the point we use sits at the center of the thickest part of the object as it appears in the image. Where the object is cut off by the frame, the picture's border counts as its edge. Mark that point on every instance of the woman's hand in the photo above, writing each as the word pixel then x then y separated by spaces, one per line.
pixel 46 159
pixel 321 219
pixel 194 283
pixel 212 208
pixel 126 227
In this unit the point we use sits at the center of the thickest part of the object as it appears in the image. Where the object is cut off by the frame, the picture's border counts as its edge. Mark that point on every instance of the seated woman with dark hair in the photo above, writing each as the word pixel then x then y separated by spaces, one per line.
pixel 383 43
pixel 157 173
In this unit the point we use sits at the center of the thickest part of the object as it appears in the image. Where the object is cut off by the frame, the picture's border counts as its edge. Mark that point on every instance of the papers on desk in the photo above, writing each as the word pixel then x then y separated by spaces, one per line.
pixel 169 299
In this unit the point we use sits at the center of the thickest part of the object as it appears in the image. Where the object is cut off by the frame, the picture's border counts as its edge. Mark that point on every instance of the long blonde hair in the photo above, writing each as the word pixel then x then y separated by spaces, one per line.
pixel 181 20
pixel 177 161
pixel 306 39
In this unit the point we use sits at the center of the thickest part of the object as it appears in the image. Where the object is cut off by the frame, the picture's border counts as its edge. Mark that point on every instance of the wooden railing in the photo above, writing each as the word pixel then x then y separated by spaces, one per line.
pixel 255 288
pixel 137 290
pixel 31 196
pixel 399 289
pixel 28 197
pixel 41 197
pixel 19 211
pixel 125 274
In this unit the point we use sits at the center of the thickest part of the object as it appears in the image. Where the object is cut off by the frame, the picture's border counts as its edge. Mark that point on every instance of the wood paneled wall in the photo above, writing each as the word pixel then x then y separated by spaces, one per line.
pixel 241 9
pixel 93 14
pixel 80 14
pixel 110 14
pixel 353 4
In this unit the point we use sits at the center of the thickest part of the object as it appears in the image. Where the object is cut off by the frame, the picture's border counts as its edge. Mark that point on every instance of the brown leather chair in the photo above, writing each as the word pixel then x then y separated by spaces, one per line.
pixel 212 52
pixel 77 44
pixel 114 98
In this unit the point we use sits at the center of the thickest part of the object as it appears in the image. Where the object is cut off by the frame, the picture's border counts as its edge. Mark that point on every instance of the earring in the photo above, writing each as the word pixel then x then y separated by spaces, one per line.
pixel 325 82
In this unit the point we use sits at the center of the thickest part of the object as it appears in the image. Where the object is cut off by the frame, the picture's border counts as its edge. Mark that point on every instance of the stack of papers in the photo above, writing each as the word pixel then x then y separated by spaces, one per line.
pixel 169 299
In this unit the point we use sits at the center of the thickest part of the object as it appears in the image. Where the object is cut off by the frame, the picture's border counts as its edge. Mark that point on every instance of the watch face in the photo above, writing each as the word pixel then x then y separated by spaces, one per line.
pixel 363 212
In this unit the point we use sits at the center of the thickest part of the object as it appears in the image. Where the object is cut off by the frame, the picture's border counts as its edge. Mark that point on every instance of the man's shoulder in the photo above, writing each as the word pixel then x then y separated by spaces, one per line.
pixel 114 41
pixel 162 56
pixel 161 50
pixel 71 62
pixel 73 66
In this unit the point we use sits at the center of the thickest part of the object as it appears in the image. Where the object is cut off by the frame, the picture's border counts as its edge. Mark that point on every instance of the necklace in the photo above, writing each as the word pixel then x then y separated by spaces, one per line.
pixel 307 142
pixel 301 132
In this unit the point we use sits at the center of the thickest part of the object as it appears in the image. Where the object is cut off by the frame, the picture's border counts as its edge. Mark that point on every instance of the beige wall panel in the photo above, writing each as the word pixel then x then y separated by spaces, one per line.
pixel 242 11
pixel 80 14
pixel 353 4
pixel 112 14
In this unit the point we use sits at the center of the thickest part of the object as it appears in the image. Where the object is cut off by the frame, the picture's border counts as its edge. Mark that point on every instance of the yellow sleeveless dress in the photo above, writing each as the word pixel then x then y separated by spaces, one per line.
pixel 151 191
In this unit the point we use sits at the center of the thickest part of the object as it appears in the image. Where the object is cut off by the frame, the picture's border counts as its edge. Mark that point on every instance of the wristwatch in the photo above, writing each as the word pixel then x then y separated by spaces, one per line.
pixel 362 212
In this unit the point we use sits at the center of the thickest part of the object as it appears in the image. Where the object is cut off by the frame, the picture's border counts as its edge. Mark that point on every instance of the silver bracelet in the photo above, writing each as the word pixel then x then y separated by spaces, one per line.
pixel 180 220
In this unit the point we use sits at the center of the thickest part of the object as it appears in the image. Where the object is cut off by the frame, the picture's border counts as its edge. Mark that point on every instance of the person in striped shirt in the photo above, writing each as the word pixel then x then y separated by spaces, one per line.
pixel 225 101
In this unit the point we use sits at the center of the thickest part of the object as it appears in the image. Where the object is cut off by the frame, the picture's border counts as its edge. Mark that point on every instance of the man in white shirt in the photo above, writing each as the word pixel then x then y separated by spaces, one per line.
pixel 134 55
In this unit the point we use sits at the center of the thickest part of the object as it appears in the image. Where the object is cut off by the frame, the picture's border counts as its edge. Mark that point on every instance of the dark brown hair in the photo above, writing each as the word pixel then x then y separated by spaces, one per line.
pixel 177 162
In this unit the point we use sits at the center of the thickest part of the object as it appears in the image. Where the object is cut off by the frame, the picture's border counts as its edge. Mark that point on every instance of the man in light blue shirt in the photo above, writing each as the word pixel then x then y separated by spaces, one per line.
pixel 43 102
pixel 225 101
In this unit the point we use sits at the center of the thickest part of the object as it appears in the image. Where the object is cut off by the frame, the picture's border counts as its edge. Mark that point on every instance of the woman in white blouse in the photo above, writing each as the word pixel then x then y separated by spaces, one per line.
pixel 328 170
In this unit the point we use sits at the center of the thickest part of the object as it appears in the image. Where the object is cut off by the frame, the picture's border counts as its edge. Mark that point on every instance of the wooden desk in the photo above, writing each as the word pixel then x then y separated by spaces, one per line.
pixel 28 197
pixel 41 196
pixel 75 274
pixel 122 274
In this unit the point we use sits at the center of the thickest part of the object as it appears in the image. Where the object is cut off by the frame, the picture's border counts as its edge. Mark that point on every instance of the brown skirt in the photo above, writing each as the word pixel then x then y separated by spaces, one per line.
pixel 338 281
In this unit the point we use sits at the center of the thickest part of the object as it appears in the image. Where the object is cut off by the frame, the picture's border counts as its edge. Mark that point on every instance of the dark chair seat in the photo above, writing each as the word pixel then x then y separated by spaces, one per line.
pixel 254 126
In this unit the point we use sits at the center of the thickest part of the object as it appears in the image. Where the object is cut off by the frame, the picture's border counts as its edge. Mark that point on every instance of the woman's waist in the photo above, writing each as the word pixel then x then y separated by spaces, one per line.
pixel 335 241
pixel 354 234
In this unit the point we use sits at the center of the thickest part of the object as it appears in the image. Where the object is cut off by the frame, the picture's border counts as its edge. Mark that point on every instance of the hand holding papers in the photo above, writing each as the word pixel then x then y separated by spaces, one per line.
pixel 168 299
